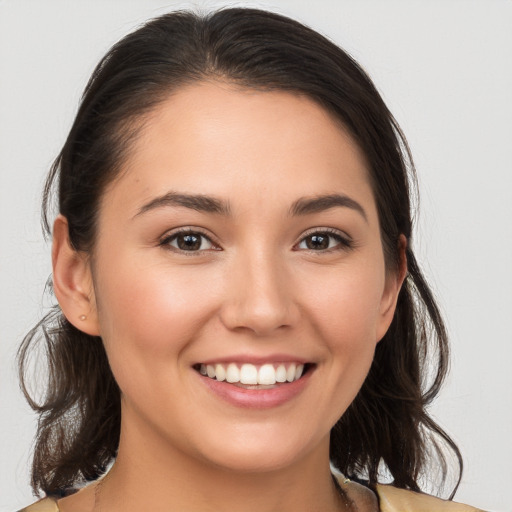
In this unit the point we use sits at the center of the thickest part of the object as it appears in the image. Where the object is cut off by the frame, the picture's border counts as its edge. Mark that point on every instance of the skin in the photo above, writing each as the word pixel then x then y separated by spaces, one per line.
pixel 257 289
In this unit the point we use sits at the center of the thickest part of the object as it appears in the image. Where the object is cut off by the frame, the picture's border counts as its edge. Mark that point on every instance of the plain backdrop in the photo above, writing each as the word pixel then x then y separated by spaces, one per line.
pixel 444 68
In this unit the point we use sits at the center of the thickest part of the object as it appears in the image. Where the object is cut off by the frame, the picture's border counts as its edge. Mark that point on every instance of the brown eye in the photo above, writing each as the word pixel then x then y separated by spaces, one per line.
pixel 189 241
pixel 317 242
pixel 323 240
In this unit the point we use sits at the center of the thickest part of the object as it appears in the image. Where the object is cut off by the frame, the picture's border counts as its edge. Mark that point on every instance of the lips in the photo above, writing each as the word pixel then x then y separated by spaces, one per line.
pixel 255 382
pixel 266 374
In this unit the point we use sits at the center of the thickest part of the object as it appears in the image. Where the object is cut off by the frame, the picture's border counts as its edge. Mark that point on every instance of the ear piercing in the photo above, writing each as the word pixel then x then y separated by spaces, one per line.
pixel 83 317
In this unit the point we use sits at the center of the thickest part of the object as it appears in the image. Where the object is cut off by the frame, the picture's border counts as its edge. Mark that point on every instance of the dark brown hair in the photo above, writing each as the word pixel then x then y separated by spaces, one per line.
pixel 387 426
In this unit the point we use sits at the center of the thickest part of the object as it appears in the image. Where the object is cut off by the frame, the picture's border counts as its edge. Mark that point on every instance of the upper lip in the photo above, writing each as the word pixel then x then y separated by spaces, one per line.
pixel 255 360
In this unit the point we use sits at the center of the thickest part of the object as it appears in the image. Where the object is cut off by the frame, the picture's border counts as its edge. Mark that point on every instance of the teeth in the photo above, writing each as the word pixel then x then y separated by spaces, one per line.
pixel 250 374
pixel 290 373
pixel 281 373
pixel 233 373
pixel 220 373
pixel 267 375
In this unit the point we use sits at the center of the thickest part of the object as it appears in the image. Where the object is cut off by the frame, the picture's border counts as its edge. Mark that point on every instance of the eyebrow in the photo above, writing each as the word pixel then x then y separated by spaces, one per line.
pixel 209 204
pixel 305 205
pixel 197 202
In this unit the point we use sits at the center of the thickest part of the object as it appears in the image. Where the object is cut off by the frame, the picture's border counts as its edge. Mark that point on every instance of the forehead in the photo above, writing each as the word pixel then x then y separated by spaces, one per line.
pixel 219 139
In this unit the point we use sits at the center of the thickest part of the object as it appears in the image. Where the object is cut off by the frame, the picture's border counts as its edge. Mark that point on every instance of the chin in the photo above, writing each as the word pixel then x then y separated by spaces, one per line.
pixel 258 454
pixel 245 461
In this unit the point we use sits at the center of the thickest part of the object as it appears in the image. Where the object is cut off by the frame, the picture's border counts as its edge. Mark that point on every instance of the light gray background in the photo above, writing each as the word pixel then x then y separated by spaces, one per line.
pixel 444 68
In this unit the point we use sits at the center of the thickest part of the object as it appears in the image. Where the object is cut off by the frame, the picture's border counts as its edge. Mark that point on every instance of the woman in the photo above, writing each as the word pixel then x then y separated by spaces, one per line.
pixel 239 302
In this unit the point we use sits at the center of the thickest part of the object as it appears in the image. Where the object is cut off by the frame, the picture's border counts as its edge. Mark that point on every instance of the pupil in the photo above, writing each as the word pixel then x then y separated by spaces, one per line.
pixel 318 242
pixel 189 242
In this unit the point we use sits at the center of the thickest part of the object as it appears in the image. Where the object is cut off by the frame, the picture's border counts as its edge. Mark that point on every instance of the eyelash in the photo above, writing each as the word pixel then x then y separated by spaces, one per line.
pixel 343 241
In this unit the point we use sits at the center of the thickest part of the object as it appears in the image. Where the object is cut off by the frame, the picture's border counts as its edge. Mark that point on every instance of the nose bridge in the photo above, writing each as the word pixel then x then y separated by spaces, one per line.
pixel 260 296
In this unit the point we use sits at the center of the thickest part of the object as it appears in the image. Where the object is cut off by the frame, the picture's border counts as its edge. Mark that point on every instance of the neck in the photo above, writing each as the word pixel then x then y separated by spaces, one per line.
pixel 151 475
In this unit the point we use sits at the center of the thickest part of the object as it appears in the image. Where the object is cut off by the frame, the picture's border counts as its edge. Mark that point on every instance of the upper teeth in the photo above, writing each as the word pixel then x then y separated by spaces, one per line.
pixel 266 374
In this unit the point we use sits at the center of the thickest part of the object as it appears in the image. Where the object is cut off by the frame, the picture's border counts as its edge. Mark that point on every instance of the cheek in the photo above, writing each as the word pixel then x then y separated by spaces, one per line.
pixel 346 305
pixel 346 313
pixel 153 312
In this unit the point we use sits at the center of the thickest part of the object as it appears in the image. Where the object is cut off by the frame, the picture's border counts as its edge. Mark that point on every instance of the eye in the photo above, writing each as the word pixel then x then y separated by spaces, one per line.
pixel 189 241
pixel 324 241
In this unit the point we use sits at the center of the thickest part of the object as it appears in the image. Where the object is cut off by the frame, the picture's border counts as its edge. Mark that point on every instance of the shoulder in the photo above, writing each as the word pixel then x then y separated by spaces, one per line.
pixel 44 505
pixel 393 499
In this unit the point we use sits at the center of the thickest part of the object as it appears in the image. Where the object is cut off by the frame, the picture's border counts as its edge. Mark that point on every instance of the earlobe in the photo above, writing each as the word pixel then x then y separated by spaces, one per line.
pixel 72 281
pixel 394 282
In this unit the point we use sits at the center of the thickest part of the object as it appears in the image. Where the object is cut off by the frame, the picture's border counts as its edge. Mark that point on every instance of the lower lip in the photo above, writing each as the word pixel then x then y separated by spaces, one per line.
pixel 257 398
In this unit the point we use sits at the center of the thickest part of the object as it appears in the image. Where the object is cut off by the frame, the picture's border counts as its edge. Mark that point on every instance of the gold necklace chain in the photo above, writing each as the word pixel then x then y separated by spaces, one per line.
pixel 97 489
pixel 97 493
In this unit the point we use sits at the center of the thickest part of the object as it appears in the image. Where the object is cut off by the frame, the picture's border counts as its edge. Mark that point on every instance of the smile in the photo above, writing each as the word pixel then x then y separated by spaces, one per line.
pixel 259 384
pixel 267 374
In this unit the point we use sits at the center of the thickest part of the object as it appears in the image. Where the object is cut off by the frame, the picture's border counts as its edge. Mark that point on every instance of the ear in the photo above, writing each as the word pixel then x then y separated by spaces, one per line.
pixel 394 281
pixel 72 281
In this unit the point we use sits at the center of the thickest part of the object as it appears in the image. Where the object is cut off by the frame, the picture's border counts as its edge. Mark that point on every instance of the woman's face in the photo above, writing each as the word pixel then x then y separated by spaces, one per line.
pixel 241 240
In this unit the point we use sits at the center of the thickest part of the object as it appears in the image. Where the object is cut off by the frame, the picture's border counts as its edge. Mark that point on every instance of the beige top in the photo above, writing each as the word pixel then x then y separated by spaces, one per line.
pixel 391 499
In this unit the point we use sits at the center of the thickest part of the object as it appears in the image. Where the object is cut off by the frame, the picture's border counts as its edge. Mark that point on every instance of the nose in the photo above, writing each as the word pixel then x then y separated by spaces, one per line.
pixel 260 297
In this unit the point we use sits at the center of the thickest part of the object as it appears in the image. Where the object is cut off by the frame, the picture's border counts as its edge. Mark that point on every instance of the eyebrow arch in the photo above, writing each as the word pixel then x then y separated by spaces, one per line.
pixel 199 202
pixel 307 205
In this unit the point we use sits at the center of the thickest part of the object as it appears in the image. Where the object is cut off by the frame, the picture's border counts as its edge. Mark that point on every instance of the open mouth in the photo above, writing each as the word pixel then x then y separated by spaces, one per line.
pixel 254 376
